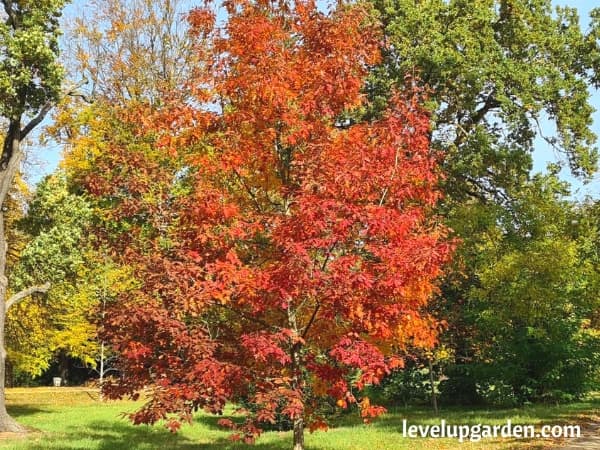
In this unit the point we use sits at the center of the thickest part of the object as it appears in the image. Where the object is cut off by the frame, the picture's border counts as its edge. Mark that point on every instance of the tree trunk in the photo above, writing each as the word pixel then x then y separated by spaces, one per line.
pixel 299 434
pixel 10 163
pixel 63 367
pixel 101 373
pixel 7 423
pixel 297 384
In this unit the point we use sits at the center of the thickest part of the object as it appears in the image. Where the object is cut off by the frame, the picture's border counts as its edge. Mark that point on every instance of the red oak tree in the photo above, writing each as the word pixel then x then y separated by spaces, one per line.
pixel 297 263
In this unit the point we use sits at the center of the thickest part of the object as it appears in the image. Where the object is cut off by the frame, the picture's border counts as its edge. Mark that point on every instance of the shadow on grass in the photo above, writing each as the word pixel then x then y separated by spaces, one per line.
pixel 17 411
pixel 212 421
pixel 104 435
pixel 118 434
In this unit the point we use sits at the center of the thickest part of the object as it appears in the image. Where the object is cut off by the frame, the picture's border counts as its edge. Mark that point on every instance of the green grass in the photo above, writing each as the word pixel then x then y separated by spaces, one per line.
pixel 73 419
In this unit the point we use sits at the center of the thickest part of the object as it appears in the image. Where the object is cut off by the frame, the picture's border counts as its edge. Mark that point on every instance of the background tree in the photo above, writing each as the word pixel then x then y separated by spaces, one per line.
pixel 55 252
pixel 132 50
pixel 138 57
pixel 530 312
pixel 30 83
pixel 104 282
pixel 496 71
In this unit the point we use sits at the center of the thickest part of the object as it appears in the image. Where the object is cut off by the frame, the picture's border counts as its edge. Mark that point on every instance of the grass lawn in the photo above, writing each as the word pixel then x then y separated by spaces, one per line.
pixel 71 418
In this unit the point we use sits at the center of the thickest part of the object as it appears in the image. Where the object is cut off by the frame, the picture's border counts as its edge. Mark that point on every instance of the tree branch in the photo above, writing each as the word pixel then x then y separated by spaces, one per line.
pixel 42 288
pixel 318 306
pixel 478 115
pixel 84 97
pixel 36 120
pixel 244 316
pixel 72 92
pixel 311 320
pixel 249 190
pixel 489 104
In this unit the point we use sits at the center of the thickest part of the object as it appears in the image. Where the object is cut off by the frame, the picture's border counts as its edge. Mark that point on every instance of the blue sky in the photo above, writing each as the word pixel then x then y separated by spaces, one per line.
pixel 543 153
pixel 44 159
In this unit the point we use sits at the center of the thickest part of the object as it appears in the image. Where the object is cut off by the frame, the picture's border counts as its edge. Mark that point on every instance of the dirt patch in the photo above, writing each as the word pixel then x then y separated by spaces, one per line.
pixel 589 440
pixel 30 432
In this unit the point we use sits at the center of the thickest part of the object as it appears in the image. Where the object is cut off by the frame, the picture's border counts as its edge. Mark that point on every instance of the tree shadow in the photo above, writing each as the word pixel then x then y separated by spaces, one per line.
pixel 124 436
pixel 17 411
pixel 211 421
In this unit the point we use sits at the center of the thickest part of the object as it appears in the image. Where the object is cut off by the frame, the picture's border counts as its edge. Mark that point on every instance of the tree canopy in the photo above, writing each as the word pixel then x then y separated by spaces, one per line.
pixel 285 257
pixel 497 70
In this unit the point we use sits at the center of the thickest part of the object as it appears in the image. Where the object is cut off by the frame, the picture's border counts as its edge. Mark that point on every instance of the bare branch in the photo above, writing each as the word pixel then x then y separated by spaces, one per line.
pixel 42 288
pixel 84 97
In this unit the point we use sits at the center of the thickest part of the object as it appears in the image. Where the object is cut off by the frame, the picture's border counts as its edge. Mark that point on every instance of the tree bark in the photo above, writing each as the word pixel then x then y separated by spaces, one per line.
pixel 7 423
pixel 9 165
pixel 63 367
pixel 299 434
pixel 297 384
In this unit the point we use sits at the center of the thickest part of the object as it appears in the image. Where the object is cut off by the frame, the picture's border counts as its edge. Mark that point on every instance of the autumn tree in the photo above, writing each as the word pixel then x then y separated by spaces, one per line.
pixel 30 82
pixel 62 325
pixel 131 184
pixel 131 50
pixel 137 56
pixel 296 251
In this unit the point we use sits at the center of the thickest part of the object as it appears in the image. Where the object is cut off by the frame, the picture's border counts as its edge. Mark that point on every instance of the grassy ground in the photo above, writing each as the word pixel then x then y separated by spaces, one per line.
pixel 69 418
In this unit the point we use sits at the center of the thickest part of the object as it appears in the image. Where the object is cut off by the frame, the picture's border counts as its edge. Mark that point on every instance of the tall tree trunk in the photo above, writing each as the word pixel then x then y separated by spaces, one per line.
pixel 7 423
pixel 10 161
pixel 8 169
pixel 297 384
